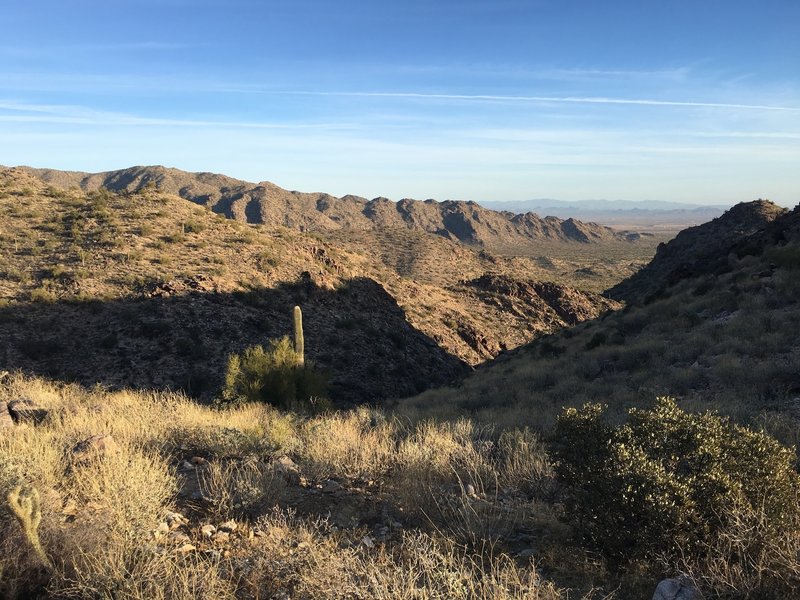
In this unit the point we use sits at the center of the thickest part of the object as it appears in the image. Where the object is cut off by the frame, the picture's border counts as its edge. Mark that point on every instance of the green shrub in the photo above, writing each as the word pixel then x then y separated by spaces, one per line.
pixel 667 484
pixel 273 375
pixel 193 226
pixel 43 295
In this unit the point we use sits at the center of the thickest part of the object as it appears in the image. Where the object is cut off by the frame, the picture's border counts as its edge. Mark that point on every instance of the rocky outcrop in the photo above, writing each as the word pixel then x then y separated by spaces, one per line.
pixel 94 448
pixel 25 410
pixel 549 302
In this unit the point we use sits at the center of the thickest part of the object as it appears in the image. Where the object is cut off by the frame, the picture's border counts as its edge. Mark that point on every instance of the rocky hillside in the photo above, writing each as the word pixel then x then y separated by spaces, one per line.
pixel 466 222
pixel 717 329
pixel 703 248
pixel 145 289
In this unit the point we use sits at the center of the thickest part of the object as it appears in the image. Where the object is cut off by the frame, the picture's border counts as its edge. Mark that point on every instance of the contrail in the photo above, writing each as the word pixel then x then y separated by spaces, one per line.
pixel 561 99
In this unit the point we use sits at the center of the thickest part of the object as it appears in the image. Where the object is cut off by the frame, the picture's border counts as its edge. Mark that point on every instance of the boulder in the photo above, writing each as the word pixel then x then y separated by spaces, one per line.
pixel 676 589
pixel 228 526
pixel 25 410
pixel 329 486
pixel 287 469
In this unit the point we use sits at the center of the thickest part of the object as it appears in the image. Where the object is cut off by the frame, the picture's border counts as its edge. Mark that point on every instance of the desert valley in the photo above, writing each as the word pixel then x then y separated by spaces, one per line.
pixel 378 300
pixel 483 404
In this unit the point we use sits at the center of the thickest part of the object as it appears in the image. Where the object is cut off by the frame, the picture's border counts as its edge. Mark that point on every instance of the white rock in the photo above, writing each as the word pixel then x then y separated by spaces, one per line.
pixel 676 589
pixel 228 526
pixel 208 530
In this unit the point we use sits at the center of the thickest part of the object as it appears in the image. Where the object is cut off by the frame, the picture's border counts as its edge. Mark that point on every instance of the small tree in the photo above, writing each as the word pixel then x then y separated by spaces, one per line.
pixel 668 483
pixel 274 375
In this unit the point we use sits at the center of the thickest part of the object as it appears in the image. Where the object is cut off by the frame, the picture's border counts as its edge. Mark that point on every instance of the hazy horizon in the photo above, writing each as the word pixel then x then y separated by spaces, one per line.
pixel 481 101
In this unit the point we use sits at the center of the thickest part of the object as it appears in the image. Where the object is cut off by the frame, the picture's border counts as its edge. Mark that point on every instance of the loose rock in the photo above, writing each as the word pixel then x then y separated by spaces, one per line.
pixel 175 520
pixel 25 410
pixel 179 537
pixel 288 469
pixel 208 530
pixel 228 526
pixel 94 447
pixel 220 537
pixel 330 486
pixel 676 589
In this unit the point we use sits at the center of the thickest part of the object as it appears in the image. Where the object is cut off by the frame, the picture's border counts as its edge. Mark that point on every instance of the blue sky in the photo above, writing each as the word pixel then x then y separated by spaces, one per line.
pixel 507 100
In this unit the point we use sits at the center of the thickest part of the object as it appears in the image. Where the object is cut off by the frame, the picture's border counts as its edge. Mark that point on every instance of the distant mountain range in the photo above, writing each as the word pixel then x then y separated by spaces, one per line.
pixel 619 213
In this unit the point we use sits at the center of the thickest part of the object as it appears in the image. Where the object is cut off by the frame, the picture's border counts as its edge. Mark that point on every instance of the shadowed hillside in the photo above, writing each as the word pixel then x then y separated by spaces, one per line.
pixel 699 249
pixel 355 332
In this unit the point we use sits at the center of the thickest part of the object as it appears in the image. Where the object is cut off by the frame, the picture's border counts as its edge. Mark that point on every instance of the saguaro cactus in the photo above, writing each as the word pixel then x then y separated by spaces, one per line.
pixel 25 504
pixel 299 342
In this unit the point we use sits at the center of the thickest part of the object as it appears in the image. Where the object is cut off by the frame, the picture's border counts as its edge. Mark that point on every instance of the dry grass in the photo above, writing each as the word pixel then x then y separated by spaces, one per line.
pixel 421 510
pixel 101 518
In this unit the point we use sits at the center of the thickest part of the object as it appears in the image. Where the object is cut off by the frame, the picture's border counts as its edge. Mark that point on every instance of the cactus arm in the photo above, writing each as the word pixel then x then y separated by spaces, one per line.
pixel 26 506
pixel 299 342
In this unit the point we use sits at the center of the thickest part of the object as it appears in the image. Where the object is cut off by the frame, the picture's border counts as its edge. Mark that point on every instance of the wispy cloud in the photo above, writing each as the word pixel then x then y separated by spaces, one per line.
pixel 71 115
pixel 542 99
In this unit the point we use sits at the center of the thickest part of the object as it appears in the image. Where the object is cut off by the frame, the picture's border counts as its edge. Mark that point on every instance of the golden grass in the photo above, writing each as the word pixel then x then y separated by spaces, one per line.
pixel 100 519
pixel 456 501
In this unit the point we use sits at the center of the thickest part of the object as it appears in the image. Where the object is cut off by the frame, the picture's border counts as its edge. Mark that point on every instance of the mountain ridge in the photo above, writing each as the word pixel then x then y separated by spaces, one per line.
pixel 266 203
pixel 698 249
